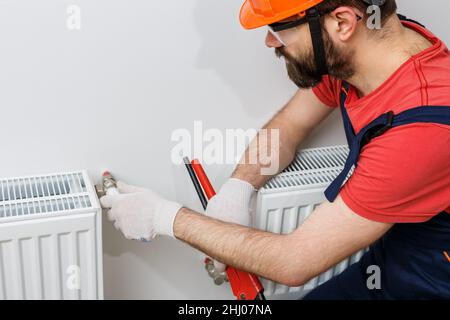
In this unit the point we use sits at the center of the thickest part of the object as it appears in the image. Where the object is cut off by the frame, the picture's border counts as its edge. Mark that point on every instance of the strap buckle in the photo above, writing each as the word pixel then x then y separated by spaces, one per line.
pixel 380 130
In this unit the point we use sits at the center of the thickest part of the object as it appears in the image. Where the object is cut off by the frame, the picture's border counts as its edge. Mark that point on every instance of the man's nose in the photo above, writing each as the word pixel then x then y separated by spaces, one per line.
pixel 271 41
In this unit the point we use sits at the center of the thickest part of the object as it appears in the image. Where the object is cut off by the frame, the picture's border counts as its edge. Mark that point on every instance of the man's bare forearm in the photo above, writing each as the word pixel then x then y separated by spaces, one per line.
pixel 281 136
pixel 281 153
pixel 330 234
pixel 247 249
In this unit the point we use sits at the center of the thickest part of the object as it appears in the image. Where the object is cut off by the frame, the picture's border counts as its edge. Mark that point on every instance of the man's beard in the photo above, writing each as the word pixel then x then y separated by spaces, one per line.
pixel 302 68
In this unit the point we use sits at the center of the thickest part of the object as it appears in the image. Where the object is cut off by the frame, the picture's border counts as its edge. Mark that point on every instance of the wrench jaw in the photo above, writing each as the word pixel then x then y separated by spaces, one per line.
pixel 218 277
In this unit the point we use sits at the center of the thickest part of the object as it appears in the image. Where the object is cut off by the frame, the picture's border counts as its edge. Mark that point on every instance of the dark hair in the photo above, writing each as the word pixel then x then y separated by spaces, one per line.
pixel 387 9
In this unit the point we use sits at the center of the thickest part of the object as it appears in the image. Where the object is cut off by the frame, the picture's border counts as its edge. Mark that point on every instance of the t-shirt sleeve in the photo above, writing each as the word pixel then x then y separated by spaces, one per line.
pixel 402 176
pixel 328 91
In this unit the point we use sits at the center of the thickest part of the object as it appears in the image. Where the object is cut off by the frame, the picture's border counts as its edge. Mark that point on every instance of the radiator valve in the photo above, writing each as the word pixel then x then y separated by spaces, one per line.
pixel 218 277
pixel 108 185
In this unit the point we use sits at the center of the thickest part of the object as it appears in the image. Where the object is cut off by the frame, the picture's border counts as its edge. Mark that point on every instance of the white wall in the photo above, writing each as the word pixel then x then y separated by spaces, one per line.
pixel 111 94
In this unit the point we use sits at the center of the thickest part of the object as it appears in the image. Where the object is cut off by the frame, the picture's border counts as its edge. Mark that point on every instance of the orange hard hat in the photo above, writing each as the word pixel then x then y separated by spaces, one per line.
pixel 258 13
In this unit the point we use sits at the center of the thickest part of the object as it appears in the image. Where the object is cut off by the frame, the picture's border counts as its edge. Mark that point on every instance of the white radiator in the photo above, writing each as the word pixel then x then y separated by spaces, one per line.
pixel 289 198
pixel 50 238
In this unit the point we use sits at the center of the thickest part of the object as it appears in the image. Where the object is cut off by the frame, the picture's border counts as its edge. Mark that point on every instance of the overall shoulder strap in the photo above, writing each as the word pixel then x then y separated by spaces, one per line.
pixel 348 127
pixel 404 18
pixel 424 114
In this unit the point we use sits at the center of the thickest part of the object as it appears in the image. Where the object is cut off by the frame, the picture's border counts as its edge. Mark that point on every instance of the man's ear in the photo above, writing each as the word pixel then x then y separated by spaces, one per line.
pixel 345 21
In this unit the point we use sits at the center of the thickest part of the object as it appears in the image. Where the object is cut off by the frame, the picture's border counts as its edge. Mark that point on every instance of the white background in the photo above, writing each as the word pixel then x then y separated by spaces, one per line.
pixel 109 96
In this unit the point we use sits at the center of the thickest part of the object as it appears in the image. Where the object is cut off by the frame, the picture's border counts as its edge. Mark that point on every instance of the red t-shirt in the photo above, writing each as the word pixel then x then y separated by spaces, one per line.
pixel 402 176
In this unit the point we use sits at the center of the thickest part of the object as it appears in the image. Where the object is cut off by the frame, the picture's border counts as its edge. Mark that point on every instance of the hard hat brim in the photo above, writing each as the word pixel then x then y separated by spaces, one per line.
pixel 251 20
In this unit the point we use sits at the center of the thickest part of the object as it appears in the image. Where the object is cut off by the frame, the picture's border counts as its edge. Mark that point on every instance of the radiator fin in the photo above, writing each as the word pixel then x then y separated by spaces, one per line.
pixel 21 197
pixel 311 168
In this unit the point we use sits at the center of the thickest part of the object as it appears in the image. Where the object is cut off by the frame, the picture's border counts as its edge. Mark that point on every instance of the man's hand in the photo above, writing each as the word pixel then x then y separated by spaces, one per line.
pixel 232 204
pixel 139 213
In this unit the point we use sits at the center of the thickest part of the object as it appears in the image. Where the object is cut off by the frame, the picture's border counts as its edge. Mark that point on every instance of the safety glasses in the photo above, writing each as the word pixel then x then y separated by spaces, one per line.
pixel 279 29
pixel 281 26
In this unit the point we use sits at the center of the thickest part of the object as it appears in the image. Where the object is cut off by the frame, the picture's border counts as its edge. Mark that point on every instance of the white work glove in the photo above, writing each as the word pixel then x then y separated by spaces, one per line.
pixel 139 213
pixel 232 204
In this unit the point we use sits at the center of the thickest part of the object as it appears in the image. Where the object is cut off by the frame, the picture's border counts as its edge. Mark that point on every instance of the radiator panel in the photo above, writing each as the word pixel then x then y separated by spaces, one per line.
pixel 50 238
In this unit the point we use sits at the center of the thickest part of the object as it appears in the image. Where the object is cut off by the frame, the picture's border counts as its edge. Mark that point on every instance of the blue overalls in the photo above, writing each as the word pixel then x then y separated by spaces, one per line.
pixel 410 256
